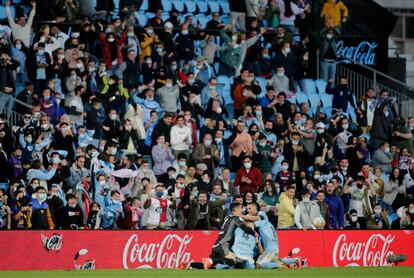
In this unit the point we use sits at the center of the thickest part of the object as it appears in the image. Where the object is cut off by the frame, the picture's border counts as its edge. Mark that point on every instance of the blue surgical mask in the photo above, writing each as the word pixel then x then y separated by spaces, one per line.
pixel 160 194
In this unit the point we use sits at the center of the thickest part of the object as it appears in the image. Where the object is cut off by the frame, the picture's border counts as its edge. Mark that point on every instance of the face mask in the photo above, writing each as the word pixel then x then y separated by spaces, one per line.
pixel 305 199
pixel 102 182
pixel 345 127
pixel 29 140
pixel 305 58
pixel 316 177
pixel 285 167
pixel 44 126
pixel 344 168
pixel 191 81
pixel 247 165
pixel 72 205
pixel 194 193
pixel 262 144
pixel 46 97
pixel 411 211
pixel 320 130
pixel 113 117
pixel 182 163
pixel 386 113
pixel 180 185
pixel 207 143
pixel 199 67
pixel 41 52
pixel 280 74
pixel 130 34
pixel 114 151
pixel 219 110
pixel 234 38
pixel 150 32
pixel 55 160
pixel 360 186
pixel 174 67
pixel 329 36
pixel 159 194
pixel 192 100
pixel 387 150
pixel 184 32
pixel 94 154
pixel 218 140
pixel 149 62
pixel 128 128
pixel 287 50
pixel 235 46
pixel 377 211
pixel 258 113
pixel 42 197
pixel 18 46
pixel 295 143
pixel 61 56
pixel 354 218
pixel 75 35
pixel 159 50
pixel 91 69
pixel 168 85
pixel 111 39
pixel 79 66
pixel 116 202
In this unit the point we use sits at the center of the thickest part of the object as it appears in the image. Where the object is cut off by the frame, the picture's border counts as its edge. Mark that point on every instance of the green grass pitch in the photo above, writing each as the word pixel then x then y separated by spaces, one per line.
pixel 360 272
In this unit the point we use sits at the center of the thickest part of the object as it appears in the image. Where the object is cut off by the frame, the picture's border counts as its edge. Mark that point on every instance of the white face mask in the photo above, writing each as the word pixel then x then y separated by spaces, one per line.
pixel 305 199
pixel 329 36
pixel 295 143
pixel 184 32
pixel 207 143
pixel 18 46
pixel 41 52
pixel 102 182
pixel 354 218
pixel 345 127
pixel 285 167
pixel 111 39
pixel 377 211
pixel 114 151
pixel 387 149
pixel 113 117
pixel 234 38
pixel 287 50
pixel 247 165
pixel 218 140
pixel 219 110
pixel 262 144
pixel 150 32
pixel 130 34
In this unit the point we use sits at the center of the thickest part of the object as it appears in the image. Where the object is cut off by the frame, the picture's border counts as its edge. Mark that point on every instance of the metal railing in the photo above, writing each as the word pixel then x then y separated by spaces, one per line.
pixel 13 116
pixel 359 83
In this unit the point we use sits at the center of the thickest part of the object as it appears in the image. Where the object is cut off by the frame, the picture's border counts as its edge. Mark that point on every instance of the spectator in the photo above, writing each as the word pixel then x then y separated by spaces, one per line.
pixel 336 207
pixel 132 212
pixel 157 208
pixel 382 158
pixel 248 177
pixel 323 207
pixel 306 212
pixel 352 222
pixel 286 211
pixel 21 29
pixel 72 215
pixel 334 13
pixel 41 219
pixel 237 15
pixel 328 54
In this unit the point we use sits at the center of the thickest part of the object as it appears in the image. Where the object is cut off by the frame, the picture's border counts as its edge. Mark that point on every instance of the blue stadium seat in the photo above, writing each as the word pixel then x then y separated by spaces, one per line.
pixel 226 19
pixel 308 86
pixel 214 6
pixel 326 100
pixel 222 79
pixel 202 7
pixel 191 6
pixel 263 83
pixel 165 16
pixel 321 86
pixel 3 14
pixel 179 5
pixel 167 5
pixel 313 99
pixel 142 18
pixel 225 6
pixel 202 19
pixel 144 5
pixel 301 98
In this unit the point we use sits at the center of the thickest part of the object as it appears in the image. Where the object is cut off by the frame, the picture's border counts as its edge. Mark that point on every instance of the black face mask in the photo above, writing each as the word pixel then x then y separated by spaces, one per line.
pixel 360 186
pixel 268 129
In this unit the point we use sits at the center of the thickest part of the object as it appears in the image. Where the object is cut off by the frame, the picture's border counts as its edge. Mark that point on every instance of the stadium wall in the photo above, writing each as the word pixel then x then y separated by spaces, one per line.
pixel 47 250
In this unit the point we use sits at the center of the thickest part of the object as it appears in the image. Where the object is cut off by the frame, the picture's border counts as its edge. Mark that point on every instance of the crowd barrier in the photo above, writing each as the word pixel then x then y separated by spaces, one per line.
pixel 47 250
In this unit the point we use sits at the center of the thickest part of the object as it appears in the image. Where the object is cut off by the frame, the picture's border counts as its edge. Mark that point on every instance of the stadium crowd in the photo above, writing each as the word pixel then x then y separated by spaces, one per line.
pixel 164 125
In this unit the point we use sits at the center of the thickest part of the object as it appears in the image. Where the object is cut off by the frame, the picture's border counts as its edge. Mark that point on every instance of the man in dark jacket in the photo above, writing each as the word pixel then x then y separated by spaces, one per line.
pixel 295 153
pixel 72 215
pixel 341 95
pixel 7 87
pixel 199 217
pixel 27 96
pixel 381 126
pixel 162 127
pixel 93 122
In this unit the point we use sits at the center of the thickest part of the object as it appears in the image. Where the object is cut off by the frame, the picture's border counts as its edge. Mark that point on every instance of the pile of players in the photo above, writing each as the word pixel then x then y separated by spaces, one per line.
pixel 247 240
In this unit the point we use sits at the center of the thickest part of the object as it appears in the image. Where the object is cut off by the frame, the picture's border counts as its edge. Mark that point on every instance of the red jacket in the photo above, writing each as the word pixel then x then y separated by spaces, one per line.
pixel 254 175
pixel 107 52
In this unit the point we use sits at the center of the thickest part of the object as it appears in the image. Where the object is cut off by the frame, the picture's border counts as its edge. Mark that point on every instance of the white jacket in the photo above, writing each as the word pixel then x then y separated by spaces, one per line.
pixel 177 135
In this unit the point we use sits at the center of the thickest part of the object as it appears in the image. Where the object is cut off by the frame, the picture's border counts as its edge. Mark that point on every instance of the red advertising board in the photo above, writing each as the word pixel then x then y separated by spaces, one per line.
pixel 24 250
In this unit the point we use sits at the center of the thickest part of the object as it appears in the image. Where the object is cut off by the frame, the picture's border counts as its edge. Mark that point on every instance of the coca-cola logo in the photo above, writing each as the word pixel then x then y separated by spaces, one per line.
pixel 170 253
pixel 53 243
pixel 363 53
pixel 373 252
